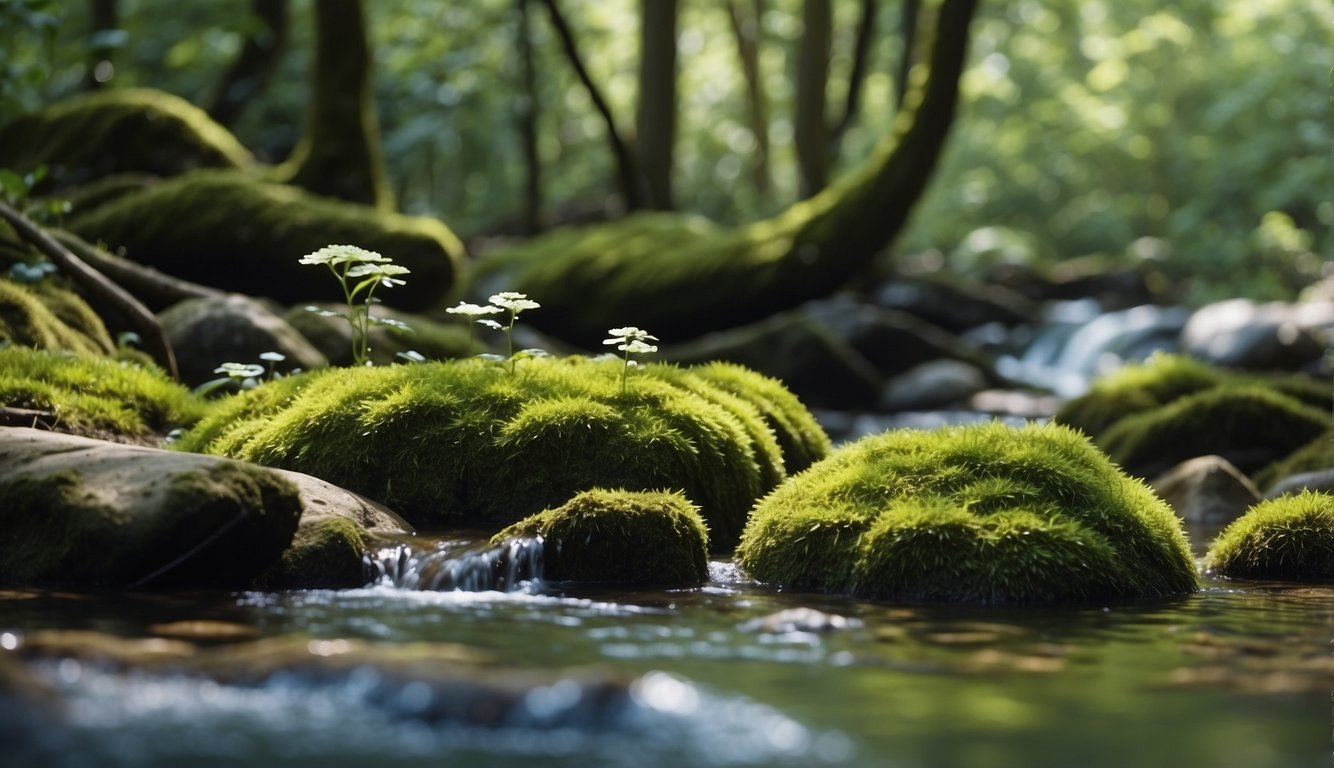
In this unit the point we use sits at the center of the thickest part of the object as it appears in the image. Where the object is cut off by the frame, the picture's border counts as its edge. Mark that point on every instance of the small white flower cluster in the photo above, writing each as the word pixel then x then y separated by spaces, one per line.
pixel 631 340
pixel 505 300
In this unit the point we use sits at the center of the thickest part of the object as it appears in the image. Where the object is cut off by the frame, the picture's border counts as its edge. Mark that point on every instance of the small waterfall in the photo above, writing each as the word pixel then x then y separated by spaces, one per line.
pixel 514 566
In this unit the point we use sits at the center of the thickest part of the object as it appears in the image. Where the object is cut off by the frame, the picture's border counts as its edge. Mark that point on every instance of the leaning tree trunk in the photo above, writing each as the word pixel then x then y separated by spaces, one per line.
pixel 746 30
pixel 808 123
pixel 254 66
pixel 681 276
pixel 339 155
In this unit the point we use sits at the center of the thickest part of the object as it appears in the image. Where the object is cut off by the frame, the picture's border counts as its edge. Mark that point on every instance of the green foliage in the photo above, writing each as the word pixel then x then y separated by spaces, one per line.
pixel 28 30
pixel 359 272
pixel 466 441
pixel 1135 388
pixel 1291 538
pixel 620 537
pixel 95 395
pixel 982 513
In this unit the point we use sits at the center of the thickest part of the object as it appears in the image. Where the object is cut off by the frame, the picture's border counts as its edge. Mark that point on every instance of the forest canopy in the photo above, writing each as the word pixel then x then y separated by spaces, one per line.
pixel 1128 129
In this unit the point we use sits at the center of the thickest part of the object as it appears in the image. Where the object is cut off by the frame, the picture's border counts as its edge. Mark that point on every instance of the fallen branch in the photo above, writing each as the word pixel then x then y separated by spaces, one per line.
pixel 98 285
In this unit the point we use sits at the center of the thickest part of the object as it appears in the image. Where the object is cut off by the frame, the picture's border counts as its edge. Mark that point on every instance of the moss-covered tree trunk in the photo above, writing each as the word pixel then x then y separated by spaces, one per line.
pixel 339 155
pixel 683 276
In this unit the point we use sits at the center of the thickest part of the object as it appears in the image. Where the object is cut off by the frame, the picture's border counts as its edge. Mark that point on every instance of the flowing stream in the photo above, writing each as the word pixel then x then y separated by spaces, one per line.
pixel 458 654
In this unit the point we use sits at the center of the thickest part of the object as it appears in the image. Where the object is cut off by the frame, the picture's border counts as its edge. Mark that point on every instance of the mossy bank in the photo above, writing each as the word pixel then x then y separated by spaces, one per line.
pixel 470 442
pixel 982 513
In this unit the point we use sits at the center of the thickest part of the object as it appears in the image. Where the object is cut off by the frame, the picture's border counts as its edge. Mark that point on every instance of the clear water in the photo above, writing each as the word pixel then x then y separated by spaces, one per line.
pixel 1235 675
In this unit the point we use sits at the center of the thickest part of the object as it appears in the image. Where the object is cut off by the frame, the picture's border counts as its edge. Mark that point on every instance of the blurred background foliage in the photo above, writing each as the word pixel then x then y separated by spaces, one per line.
pixel 1193 134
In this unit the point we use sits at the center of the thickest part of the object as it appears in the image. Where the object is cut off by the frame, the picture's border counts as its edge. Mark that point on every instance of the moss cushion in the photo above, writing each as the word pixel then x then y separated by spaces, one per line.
pixel 1291 537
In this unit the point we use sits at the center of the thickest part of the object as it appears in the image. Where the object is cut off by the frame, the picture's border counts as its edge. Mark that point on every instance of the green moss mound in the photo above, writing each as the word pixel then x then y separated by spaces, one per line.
pixel 1289 538
pixel 234 231
pixel 1250 426
pixel 620 537
pixel 325 554
pixel 95 395
pixel 800 437
pixel 49 317
pixel 121 130
pixel 1312 457
pixel 469 442
pixel 980 513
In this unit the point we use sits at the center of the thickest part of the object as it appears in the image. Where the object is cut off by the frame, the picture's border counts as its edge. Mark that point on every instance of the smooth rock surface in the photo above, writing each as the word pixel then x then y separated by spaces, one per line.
pixel 1207 490
pixel 207 332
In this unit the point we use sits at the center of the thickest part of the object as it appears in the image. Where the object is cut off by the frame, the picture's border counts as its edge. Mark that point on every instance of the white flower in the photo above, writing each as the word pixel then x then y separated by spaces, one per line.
pixel 473 310
pixel 514 302
pixel 637 347
pixel 630 335
pixel 240 370
pixel 491 324
pixel 340 254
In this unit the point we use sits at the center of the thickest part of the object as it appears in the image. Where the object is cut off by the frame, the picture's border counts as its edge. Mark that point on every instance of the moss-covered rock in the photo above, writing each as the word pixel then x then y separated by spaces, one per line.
pixel 82 512
pixel 1286 538
pixel 209 331
pixel 1249 426
pixel 46 316
pixel 118 130
pixel 234 231
pixel 329 548
pixel 467 441
pixel 96 395
pixel 980 513
pixel 619 537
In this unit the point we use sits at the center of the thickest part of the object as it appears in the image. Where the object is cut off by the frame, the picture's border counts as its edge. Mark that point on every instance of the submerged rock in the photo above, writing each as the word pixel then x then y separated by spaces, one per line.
pixel 1288 538
pixel 481 442
pixel 82 512
pixel 620 537
pixel 982 513
pixel 235 231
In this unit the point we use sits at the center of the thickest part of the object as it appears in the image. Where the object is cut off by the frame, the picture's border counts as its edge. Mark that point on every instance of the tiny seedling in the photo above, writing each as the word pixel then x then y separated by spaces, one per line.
pixel 475 314
pixel 360 272
pixel 515 303
pixel 630 341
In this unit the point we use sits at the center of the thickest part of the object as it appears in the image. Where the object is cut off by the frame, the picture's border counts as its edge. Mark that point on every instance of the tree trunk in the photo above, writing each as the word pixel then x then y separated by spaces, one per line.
pixel 626 171
pixel 809 127
pixel 655 118
pixel 856 76
pixel 102 20
pixel 252 70
pixel 680 276
pixel 746 29
pixel 908 32
pixel 339 155
pixel 527 119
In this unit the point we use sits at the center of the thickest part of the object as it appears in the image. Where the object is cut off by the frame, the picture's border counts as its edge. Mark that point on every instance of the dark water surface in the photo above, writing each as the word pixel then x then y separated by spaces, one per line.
pixel 1239 674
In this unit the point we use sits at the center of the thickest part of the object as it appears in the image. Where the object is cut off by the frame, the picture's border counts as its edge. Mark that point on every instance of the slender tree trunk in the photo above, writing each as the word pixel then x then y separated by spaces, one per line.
pixel 655 118
pixel 97 284
pixel 339 155
pixel 527 119
pixel 102 19
pixel 809 126
pixel 746 28
pixel 856 76
pixel 253 68
pixel 626 170
pixel 908 31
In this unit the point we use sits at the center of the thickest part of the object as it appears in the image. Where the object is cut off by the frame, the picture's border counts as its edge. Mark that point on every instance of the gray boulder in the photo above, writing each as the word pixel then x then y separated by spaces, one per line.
pixel 1207 491
pixel 81 512
pixel 207 332
pixel 1240 333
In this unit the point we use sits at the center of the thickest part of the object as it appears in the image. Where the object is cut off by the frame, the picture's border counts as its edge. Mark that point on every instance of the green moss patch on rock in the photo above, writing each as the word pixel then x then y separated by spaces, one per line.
pixel 619 537
pixel 981 513
pixel 82 512
pixel 234 231
pixel 1250 426
pixel 118 130
pixel 467 441
pixel 96 395
pixel 46 316
pixel 1290 538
